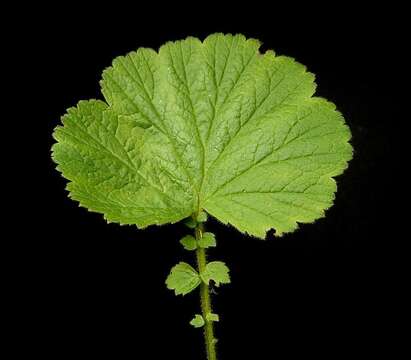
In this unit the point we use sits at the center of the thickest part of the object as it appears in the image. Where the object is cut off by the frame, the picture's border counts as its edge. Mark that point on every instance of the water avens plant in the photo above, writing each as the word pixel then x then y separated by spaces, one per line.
pixel 204 128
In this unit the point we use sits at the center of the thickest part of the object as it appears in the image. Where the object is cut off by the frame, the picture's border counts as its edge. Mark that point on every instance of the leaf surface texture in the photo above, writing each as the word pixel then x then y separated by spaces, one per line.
pixel 212 125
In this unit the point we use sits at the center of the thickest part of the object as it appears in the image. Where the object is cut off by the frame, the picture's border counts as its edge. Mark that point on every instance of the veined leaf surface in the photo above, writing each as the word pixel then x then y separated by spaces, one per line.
pixel 212 125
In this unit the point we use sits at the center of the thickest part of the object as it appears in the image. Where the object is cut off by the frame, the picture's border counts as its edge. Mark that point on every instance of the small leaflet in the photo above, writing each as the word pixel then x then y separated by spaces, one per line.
pixel 189 242
pixel 183 279
pixel 207 240
pixel 216 271
pixel 198 321
pixel 212 317
pixel 202 216
pixel 190 223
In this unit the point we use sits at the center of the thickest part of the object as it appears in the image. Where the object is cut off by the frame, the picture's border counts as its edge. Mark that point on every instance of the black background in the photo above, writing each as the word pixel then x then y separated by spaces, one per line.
pixel 92 289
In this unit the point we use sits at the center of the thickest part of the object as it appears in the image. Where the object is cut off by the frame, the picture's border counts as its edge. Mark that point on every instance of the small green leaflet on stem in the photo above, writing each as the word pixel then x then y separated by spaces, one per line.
pixel 198 321
pixel 207 240
pixel 202 217
pixel 190 223
pixel 183 279
pixel 216 271
pixel 189 242
pixel 212 317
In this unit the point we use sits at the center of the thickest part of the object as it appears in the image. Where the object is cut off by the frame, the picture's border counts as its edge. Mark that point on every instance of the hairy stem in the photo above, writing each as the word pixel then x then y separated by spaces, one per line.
pixel 206 308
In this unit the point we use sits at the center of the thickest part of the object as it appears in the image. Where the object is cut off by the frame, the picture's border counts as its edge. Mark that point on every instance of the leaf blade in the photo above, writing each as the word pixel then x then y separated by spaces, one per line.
pixel 207 240
pixel 183 279
pixel 211 125
pixel 216 271
pixel 197 321
pixel 189 242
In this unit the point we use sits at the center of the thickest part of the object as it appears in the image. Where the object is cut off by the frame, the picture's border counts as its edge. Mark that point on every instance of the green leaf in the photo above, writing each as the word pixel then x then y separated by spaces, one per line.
pixel 216 271
pixel 189 242
pixel 207 240
pixel 198 321
pixel 212 125
pixel 190 223
pixel 182 279
pixel 212 317
pixel 202 217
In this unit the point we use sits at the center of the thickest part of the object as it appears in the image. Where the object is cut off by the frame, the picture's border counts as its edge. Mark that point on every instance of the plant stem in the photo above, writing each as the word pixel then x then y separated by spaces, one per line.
pixel 206 308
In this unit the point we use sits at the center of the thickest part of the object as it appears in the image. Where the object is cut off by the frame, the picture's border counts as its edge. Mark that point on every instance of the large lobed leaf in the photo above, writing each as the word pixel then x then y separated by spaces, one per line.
pixel 212 125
